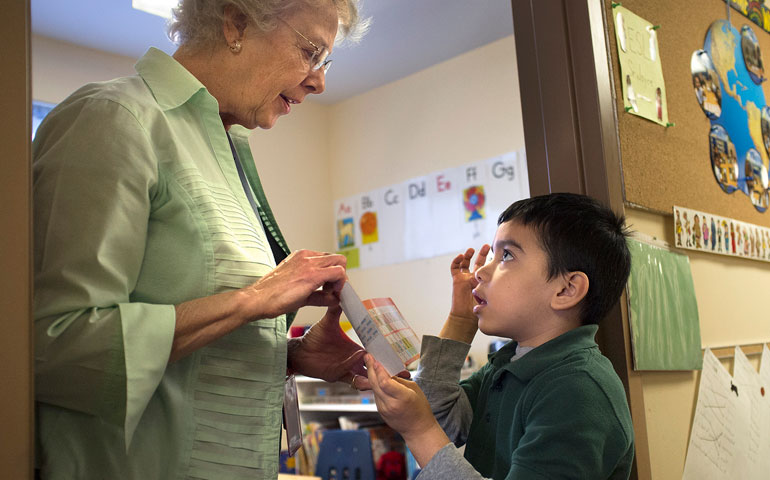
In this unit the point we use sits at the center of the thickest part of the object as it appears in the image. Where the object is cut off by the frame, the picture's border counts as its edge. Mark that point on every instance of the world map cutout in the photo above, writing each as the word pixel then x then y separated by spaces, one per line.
pixel 727 77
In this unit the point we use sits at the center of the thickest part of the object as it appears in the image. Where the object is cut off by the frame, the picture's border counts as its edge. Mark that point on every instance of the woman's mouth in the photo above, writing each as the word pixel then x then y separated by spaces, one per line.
pixel 288 102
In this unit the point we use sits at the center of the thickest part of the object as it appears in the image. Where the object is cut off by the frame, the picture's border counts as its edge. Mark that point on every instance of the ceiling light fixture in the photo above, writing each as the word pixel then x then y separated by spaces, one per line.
pixel 161 8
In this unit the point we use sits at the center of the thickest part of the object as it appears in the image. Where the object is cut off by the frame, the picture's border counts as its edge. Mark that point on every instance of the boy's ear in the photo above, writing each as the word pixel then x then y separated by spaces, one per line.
pixel 574 289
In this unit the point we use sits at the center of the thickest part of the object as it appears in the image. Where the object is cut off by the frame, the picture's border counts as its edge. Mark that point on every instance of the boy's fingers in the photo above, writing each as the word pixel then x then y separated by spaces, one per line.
pixel 457 263
pixel 481 258
pixel 374 373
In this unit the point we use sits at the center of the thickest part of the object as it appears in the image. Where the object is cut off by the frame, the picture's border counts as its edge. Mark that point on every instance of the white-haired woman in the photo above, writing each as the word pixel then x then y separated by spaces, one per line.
pixel 160 314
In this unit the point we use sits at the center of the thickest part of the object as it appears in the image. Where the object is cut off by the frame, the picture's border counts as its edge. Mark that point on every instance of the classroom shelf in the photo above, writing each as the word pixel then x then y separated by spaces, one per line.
pixel 338 407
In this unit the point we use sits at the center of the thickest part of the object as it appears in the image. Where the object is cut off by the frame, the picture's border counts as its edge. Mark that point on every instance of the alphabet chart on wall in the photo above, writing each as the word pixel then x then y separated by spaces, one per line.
pixel 443 212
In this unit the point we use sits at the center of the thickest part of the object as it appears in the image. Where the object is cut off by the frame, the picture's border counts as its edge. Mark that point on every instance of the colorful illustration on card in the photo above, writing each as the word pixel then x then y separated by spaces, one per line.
pixel 756 11
pixel 474 199
pixel 705 232
pixel 756 180
pixel 724 163
pixel 353 257
pixel 728 75
pixel 752 55
pixel 368 224
pixel 706 84
pixel 345 233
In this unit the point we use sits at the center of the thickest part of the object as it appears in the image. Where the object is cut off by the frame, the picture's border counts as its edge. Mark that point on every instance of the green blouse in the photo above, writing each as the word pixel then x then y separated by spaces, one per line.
pixel 138 207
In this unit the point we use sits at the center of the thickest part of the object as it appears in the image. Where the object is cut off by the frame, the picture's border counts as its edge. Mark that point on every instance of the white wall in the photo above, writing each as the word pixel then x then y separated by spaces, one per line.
pixel 460 111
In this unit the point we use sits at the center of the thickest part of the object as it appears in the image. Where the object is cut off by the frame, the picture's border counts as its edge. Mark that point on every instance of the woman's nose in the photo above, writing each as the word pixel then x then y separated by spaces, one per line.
pixel 315 82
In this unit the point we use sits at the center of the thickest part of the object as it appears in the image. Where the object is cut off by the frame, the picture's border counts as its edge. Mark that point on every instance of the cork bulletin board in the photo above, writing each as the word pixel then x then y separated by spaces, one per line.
pixel 663 167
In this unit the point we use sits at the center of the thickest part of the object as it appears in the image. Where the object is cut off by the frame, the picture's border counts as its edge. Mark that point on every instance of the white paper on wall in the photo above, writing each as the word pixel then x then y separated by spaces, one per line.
pixel 747 381
pixel 719 431
pixel 764 428
pixel 446 212
pixel 391 221
pixel 418 229
pixel 507 183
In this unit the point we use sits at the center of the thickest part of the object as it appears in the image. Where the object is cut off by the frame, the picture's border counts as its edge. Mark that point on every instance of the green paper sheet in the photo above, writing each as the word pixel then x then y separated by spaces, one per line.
pixel 665 330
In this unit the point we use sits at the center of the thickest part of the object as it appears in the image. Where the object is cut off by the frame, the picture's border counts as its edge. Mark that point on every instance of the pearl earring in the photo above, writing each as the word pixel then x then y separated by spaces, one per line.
pixel 236 46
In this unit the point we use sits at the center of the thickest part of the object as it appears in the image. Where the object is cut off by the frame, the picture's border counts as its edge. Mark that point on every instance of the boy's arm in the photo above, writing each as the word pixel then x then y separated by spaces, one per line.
pixel 462 323
pixel 403 406
pixel 441 361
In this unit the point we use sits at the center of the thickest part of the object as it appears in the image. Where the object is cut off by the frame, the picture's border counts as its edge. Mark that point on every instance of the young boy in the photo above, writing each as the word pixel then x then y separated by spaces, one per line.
pixel 548 404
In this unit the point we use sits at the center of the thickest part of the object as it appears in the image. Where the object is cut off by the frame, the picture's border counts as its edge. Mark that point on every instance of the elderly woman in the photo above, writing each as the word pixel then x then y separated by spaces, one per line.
pixel 160 314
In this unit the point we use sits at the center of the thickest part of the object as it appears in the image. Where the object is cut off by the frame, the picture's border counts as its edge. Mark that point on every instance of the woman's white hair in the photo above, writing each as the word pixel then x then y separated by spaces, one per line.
pixel 198 23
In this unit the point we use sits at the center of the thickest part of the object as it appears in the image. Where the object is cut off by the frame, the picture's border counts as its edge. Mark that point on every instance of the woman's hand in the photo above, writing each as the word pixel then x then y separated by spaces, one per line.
pixel 326 352
pixel 404 407
pixel 294 283
pixel 464 281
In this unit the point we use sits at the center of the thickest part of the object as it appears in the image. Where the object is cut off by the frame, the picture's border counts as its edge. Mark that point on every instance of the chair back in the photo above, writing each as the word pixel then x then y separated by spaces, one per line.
pixel 345 455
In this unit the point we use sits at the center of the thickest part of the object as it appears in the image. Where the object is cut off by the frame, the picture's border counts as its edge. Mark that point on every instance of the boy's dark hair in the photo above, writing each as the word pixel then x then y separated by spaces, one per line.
pixel 579 234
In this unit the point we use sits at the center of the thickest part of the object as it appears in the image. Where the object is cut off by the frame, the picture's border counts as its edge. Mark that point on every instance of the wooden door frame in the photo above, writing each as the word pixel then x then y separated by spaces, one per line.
pixel 16 401
pixel 572 144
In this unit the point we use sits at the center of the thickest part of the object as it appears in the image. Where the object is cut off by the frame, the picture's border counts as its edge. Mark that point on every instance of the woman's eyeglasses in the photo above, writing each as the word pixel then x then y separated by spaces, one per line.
pixel 319 59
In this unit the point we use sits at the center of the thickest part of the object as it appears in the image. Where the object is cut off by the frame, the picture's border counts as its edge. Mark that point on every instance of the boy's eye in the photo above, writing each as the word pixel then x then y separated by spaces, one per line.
pixel 506 255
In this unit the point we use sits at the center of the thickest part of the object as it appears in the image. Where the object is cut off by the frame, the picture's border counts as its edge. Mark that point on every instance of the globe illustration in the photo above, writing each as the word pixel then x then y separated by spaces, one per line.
pixel 737 62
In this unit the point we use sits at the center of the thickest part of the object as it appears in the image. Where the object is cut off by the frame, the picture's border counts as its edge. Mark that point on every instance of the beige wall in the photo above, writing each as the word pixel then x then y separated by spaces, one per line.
pixel 729 293
pixel 460 111
pixel 59 68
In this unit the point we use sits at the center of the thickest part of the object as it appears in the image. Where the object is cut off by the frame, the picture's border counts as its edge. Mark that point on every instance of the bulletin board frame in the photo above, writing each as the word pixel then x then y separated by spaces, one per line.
pixel 662 166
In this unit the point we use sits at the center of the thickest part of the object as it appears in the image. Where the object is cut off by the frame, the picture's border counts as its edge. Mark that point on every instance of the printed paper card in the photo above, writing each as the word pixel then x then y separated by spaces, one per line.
pixel 644 90
pixel 705 232
pixel 393 326
pixel 382 329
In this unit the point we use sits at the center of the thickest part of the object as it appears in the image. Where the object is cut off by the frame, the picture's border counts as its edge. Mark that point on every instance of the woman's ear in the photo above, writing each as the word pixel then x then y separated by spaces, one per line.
pixel 235 23
pixel 574 289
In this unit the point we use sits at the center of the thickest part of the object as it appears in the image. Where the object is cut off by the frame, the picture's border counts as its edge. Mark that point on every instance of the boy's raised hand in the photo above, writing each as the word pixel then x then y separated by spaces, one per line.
pixel 404 407
pixel 464 281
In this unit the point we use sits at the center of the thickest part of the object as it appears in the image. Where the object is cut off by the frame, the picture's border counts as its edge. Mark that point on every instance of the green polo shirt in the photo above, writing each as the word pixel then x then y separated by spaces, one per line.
pixel 559 411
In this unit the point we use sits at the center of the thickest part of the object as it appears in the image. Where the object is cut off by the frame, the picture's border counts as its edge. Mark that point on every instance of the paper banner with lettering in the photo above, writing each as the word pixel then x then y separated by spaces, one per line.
pixel 506 183
pixel 443 212
pixel 644 90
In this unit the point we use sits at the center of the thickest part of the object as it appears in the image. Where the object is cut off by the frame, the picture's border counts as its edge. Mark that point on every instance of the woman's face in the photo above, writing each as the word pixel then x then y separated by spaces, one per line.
pixel 272 72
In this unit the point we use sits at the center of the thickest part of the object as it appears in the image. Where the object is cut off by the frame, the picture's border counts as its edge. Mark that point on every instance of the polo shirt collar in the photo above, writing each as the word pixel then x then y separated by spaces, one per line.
pixel 171 84
pixel 545 355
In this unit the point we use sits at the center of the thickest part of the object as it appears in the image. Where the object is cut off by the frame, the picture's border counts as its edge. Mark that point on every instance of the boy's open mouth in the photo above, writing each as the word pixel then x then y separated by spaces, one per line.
pixel 478 299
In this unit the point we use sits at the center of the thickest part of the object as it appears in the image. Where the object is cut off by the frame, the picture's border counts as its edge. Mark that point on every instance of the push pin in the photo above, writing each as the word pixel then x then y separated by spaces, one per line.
pixel 734 388
pixel 616 4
